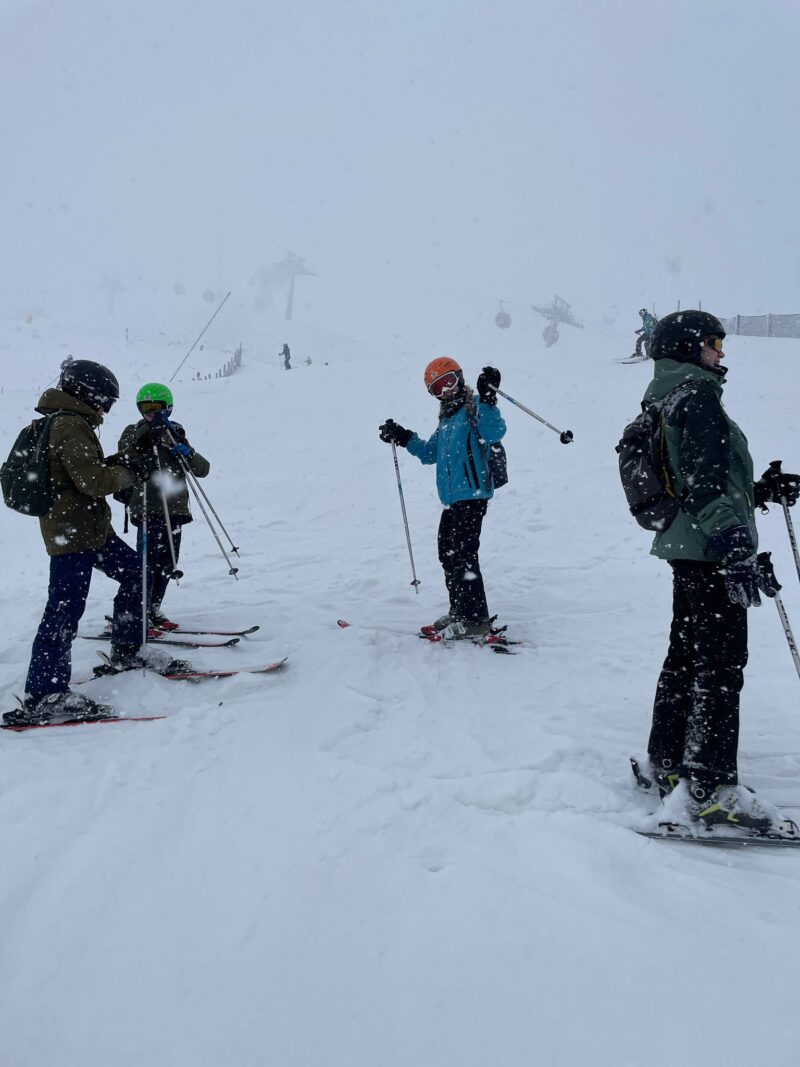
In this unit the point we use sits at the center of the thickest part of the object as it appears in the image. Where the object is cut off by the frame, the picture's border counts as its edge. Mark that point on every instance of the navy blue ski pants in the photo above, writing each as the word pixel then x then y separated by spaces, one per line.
pixel 70 577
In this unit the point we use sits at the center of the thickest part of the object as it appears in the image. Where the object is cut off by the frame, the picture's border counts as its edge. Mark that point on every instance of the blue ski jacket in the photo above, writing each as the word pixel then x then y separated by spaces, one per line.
pixel 455 448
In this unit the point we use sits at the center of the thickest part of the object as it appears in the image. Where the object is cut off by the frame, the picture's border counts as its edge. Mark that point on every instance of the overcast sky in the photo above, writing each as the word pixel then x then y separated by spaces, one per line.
pixel 424 156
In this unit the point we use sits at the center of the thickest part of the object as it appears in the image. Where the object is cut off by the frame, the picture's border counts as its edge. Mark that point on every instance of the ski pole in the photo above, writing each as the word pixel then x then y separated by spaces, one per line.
pixel 144 573
pixel 787 629
pixel 233 571
pixel 564 436
pixel 190 477
pixel 200 335
pixel 176 574
pixel 776 466
pixel 771 587
pixel 415 580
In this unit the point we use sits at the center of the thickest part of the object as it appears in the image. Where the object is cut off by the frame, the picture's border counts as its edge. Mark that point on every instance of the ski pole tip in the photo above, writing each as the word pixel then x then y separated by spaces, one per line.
pixel 566 437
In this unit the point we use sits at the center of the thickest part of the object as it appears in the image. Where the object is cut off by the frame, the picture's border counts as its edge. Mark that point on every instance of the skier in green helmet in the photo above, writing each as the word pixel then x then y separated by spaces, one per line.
pixel 156 433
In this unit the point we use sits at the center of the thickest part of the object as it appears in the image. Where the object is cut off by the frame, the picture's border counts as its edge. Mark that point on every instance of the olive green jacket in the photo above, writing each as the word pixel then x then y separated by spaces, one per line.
pixel 80 519
pixel 708 459
pixel 172 479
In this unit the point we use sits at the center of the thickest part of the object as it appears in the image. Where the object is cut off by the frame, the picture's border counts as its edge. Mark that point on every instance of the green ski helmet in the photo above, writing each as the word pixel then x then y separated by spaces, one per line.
pixel 154 393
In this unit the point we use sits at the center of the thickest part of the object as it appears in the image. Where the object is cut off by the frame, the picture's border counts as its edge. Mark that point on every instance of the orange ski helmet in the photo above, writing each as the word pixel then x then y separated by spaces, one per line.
pixel 438 367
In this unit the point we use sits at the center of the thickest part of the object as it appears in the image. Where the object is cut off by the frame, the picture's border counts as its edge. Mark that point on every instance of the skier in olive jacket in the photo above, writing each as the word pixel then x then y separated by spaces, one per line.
pixel 711 547
pixel 167 492
pixel 458 448
pixel 78 537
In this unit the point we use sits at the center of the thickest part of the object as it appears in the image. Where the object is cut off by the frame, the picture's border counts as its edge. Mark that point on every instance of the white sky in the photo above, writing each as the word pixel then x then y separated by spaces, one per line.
pixel 618 153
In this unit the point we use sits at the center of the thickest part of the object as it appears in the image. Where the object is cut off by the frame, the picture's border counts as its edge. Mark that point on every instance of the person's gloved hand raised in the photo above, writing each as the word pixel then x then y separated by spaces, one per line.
pixel 774 486
pixel 394 434
pixel 488 381
pixel 182 449
pixel 738 564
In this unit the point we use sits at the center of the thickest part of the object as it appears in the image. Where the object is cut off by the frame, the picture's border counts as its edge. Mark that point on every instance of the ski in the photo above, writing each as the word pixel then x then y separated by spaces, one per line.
pixel 24 727
pixel 184 676
pixel 199 676
pixel 499 644
pixel 160 639
pixel 178 629
pixel 739 838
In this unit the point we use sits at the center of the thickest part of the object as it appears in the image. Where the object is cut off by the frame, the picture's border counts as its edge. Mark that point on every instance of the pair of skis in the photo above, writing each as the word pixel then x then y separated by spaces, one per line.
pixel 173 637
pixel 186 676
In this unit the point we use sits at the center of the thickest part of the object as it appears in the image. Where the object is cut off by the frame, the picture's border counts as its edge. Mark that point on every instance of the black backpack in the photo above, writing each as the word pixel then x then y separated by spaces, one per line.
pixel 644 466
pixel 494 455
pixel 25 475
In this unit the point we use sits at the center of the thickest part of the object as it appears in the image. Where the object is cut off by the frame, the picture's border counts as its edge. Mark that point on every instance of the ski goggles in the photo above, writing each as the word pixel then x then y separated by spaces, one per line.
pixel 713 342
pixel 107 403
pixel 445 383
pixel 148 406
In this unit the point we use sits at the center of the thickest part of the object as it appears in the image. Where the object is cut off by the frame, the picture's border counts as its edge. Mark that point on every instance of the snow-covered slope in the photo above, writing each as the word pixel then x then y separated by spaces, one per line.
pixel 391 853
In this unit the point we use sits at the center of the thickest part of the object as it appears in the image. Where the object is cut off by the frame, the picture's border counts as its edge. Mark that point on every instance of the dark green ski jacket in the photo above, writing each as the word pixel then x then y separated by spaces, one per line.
pixel 709 461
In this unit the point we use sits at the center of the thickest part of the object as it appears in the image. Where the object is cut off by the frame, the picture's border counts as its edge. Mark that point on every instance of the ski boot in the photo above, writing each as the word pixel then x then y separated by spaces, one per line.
pixel 705 809
pixel 159 621
pixel 129 658
pixel 57 708
pixel 437 626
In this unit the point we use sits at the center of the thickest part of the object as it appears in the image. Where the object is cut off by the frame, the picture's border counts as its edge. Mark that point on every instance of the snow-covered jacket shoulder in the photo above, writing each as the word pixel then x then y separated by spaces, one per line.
pixel 459 455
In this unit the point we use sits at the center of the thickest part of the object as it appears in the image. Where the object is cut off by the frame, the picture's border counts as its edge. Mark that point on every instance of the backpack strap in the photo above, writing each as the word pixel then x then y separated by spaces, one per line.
pixel 670 401
pixel 472 415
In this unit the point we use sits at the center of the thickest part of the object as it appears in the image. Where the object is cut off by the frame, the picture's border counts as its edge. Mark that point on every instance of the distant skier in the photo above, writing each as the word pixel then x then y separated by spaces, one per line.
pixel 644 334
pixel 78 537
pixel 711 548
pixel 550 333
pixel 287 357
pixel 464 484
pixel 167 483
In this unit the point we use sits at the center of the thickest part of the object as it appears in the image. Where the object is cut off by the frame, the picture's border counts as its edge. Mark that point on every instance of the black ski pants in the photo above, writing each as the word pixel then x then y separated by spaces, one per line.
pixel 159 557
pixel 459 541
pixel 696 709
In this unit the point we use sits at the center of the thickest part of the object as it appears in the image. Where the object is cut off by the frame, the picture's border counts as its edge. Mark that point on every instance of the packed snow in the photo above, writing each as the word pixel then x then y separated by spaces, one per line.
pixel 391 852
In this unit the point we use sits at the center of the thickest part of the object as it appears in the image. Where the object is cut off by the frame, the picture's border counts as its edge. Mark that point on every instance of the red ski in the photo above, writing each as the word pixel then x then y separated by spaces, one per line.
pixel 198 676
pixel 82 722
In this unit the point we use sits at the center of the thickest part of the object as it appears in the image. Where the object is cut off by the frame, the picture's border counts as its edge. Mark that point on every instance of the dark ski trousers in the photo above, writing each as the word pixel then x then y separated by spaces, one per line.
pixel 696 710
pixel 70 577
pixel 159 557
pixel 459 542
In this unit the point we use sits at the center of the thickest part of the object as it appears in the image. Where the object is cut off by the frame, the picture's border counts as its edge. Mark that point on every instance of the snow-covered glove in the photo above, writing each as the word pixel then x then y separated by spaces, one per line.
pixel 394 434
pixel 768 583
pixel 774 486
pixel 489 377
pixel 182 449
pixel 738 565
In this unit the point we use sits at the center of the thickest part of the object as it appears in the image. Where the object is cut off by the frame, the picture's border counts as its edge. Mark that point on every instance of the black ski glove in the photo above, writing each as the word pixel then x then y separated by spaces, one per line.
pixel 142 464
pixel 489 376
pixel 768 583
pixel 738 565
pixel 775 484
pixel 393 434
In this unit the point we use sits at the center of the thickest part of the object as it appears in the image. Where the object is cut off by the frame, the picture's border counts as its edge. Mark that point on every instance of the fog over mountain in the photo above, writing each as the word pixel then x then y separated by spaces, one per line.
pixel 426 159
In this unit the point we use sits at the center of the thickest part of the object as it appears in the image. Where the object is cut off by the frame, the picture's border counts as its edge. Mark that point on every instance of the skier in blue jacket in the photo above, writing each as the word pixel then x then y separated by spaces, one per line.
pixel 459 450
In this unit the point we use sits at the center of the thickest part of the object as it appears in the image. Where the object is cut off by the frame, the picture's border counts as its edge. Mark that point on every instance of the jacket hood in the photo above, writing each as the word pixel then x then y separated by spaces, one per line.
pixel 57 400
pixel 669 373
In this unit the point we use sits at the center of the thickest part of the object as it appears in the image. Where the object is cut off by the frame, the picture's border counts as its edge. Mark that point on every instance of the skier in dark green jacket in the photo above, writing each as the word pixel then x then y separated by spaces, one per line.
pixel 711 547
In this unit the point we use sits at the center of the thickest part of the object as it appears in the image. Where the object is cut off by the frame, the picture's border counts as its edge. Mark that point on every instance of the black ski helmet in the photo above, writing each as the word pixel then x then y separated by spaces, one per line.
pixel 642 312
pixel 680 335
pixel 91 383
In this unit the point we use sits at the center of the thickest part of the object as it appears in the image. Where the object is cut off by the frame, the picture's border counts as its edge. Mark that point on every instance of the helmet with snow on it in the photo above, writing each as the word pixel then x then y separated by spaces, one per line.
pixel 443 377
pixel 680 335
pixel 154 397
pixel 89 382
